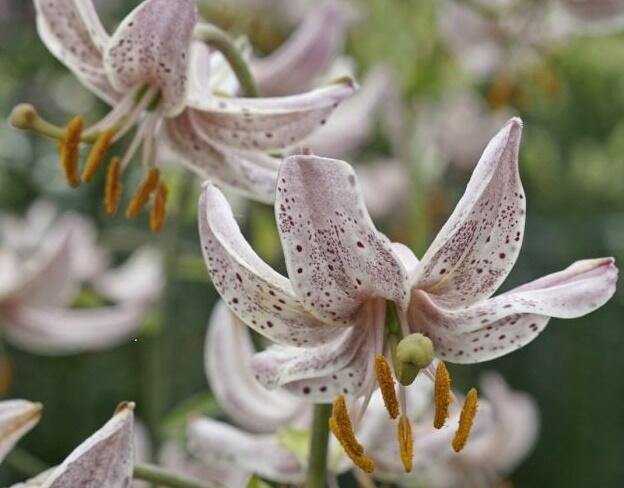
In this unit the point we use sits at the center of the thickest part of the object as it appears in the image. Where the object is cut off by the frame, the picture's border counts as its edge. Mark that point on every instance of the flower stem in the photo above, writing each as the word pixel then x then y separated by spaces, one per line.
pixel 221 41
pixel 164 477
pixel 317 461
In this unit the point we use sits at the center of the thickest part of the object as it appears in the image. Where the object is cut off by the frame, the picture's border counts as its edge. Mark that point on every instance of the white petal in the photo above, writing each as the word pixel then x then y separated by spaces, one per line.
pixel 500 325
pixel 151 46
pixel 303 58
pixel 266 123
pixel 104 459
pixel 50 330
pixel 72 32
pixel 227 358
pixel 480 242
pixel 258 295
pixel 17 418
pixel 336 259
pixel 217 442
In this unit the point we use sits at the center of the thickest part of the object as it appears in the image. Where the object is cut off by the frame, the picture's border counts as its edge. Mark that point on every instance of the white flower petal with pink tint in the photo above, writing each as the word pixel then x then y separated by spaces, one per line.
pixel 259 296
pixel 497 326
pixel 477 247
pixel 72 32
pixel 227 358
pixel 152 46
pixel 336 259
pixel 266 123
pixel 17 418
pixel 296 64
pixel 219 443
pixel 105 459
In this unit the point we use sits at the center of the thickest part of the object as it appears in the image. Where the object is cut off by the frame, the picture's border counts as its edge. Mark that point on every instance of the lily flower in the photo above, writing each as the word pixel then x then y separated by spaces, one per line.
pixel 145 72
pixel 17 418
pixel 328 319
pixel 46 260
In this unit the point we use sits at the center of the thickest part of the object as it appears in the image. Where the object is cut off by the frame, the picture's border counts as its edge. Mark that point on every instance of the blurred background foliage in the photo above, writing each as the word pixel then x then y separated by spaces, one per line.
pixel 572 104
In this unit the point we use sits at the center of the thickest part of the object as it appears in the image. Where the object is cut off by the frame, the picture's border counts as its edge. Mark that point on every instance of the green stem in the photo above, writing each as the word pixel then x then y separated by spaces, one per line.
pixel 24 462
pixel 164 477
pixel 317 461
pixel 221 41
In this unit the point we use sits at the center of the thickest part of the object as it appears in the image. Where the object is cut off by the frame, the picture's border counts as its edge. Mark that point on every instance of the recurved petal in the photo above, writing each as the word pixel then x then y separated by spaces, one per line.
pixel 218 443
pixel 336 259
pixel 266 123
pixel 251 173
pixel 104 459
pixel 151 46
pixel 17 417
pixel 227 359
pixel 55 330
pixel 72 31
pixel 477 247
pixel 305 56
pixel 500 325
pixel 259 296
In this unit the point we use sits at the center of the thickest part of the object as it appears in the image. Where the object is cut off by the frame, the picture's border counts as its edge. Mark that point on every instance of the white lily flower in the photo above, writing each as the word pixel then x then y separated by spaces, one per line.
pixel 17 418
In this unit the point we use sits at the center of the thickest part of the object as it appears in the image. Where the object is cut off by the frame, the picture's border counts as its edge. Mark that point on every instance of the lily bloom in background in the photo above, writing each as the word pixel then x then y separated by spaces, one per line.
pixel 159 83
pixel 46 260
pixel 328 318
pixel 17 418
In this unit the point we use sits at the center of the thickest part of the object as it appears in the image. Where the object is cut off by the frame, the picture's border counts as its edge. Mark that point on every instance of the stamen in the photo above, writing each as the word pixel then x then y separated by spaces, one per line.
pixel 406 442
pixel 157 217
pixel 112 190
pixel 442 395
pixel 142 194
pixel 386 385
pixel 341 418
pixel 361 460
pixel 68 150
pixel 96 155
pixel 466 418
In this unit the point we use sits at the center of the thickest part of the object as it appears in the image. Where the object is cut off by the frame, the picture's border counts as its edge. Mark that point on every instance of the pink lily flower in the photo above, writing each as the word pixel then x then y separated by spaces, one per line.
pixel 45 261
pixel 328 319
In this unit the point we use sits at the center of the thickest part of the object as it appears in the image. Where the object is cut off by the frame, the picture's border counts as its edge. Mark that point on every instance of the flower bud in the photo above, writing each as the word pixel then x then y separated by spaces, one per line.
pixel 413 353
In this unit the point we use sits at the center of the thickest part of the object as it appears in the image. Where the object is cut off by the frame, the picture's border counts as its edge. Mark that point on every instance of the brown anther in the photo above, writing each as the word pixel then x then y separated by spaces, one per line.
pixel 442 395
pixel 361 460
pixel 96 155
pixel 69 151
pixel 112 190
pixel 406 442
pixel 340 414
pixel 142 194
pixel 386 385
pixel 466 418
pixel 159 208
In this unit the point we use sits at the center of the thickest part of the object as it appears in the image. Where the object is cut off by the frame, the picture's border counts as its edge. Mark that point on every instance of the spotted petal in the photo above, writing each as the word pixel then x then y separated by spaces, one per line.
pixel 72 32
pixel 227 359
pixel 259 296
pixel 266 123
pixel 104 459
pixel 219 443
pixel 17 417
pixel 305 55
pixel 477 247
pixel 500 325
pixel 151 46
pixel 336 259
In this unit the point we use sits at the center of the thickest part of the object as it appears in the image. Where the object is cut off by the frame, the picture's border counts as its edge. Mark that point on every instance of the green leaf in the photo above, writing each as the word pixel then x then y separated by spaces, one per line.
pixel 255 482
pixel 296 441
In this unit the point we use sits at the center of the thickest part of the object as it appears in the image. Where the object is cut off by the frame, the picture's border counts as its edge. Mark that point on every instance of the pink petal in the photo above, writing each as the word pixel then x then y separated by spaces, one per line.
pixel 266 123
pixel 477 247
pixel 336 259
pixel 259 296
pixel 218 443
pixel 227 359
pixel 72 32
pixel 17 418
pixel 500 325
pixel 305 56
pixel 151 46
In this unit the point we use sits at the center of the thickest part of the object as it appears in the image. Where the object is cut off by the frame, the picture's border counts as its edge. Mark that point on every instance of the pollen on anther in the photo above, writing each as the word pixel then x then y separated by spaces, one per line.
pixel 112 190
pixel 142 194
pixel 159 208
pixel 96 155
pixel 386 385
pixel 346 436
pixel 69 150
pixel 406 442
pixel 442 394
pixel 466 419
